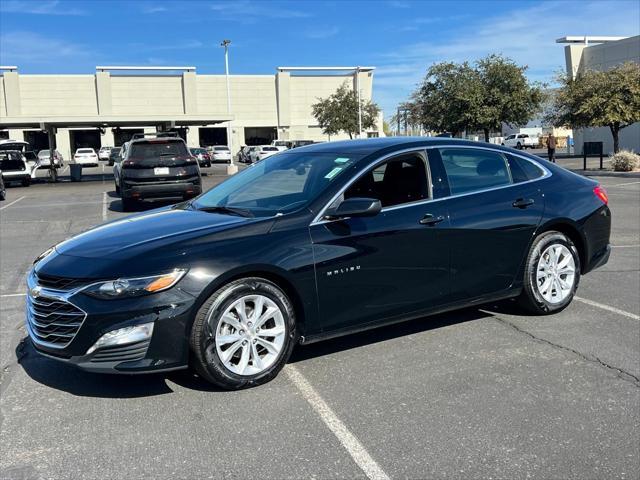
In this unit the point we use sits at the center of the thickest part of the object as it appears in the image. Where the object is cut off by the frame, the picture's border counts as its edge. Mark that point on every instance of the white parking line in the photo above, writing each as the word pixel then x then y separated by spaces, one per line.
pixel 65 169
pixel 622 184
pixel 609 308
pixel 348 440
pixel 625 246
pixel 12 203
pixel 104 206
pixel 12 295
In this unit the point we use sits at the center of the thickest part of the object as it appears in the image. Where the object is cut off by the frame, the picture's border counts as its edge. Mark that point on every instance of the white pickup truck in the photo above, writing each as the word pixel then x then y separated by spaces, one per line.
pixel 520 141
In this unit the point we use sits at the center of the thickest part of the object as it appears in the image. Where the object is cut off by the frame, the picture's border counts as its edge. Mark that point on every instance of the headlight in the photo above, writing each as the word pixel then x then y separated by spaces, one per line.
pixel 134 287
pixel 44 254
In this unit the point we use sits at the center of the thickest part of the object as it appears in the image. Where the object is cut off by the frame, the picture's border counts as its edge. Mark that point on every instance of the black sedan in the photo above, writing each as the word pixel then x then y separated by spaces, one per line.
pixel 312 243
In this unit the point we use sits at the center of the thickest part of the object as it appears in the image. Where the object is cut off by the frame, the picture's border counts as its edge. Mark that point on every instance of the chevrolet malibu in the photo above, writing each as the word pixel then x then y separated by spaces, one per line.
pixel 313 243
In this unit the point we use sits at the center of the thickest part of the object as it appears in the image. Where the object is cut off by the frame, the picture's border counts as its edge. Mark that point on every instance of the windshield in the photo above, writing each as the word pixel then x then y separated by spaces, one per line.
pixel 282 183
pixel 221 149
pixel 43 153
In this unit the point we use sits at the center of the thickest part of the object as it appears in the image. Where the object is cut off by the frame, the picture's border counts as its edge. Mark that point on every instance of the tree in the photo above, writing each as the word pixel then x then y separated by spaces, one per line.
pixel 598 99
pixel 456 97
pixel 339 112
pixel 507 96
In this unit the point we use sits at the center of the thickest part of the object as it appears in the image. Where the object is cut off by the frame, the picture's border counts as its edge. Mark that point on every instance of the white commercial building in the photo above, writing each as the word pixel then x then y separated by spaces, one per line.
pixel 602 53
pixel 107 107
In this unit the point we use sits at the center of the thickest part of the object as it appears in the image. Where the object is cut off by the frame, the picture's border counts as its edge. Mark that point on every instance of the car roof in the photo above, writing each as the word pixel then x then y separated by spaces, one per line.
pixel 388 144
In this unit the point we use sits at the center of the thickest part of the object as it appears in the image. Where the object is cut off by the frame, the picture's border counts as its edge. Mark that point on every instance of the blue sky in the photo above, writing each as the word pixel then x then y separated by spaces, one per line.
pixel 402 38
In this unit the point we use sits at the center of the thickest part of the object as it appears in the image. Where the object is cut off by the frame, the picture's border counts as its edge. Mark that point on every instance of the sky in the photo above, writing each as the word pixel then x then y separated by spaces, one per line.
pixel 401 38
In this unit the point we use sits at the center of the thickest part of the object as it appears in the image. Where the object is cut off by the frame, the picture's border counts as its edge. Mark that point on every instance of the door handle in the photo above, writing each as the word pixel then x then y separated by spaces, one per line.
pixel 429 219
pixel 523 202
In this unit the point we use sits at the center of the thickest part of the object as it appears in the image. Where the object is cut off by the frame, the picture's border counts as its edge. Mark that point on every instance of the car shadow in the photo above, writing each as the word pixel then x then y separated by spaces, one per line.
pixel 68 378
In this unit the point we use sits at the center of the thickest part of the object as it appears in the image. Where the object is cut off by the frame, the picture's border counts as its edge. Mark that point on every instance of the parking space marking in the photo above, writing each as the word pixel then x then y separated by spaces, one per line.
pixel 104 206
pixel 6 295
pixel 625 246
pixel 348 440
pixel 607 307
pixel 622 184
pixel 12 203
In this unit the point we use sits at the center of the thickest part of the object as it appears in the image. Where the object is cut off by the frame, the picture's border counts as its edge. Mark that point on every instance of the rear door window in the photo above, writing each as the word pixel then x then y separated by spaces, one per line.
pixel 469 169
pixel 153 153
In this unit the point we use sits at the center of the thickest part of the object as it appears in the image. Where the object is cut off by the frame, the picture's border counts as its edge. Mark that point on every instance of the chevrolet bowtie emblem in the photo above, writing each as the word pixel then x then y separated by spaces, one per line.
pixel 35 292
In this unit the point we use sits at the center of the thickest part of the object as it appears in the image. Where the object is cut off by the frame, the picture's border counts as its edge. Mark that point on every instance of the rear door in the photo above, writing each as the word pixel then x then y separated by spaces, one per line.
pixel 373 268
pixel 492 218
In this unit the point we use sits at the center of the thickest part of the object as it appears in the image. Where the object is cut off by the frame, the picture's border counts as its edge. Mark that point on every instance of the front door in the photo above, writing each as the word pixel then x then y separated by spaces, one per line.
pixel 375 268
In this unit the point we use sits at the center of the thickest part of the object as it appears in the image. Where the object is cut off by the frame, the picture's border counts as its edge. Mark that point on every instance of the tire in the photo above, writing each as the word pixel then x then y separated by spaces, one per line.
pixel 209 327
pixel 127 204
pixel 534 298
pixel 519 146
pixel 26 182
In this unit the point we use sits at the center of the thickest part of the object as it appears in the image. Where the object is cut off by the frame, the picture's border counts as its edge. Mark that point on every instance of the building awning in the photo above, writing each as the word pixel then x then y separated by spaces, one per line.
pixel 106 121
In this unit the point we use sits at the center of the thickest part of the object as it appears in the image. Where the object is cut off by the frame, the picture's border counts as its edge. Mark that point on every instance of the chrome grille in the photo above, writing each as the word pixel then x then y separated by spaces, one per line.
pixel 53 321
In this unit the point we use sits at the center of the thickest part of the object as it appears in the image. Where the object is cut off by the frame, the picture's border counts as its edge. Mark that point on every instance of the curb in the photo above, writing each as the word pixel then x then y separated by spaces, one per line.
pixel 606 173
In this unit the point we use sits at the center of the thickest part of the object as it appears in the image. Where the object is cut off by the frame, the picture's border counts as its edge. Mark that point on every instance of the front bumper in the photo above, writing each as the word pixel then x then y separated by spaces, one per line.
pixel 167 349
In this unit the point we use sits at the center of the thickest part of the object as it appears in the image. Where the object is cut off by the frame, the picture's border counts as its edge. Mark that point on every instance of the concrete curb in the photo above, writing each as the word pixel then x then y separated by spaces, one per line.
pixel 606 173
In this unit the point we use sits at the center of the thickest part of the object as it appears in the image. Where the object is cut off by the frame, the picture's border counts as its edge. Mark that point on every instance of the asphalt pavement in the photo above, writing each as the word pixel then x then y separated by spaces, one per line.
pixel 485 392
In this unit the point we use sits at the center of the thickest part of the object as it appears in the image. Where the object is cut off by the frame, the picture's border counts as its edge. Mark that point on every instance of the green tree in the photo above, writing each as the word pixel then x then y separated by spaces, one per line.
pixel 598 99
pixel 339 112
pixel 456 97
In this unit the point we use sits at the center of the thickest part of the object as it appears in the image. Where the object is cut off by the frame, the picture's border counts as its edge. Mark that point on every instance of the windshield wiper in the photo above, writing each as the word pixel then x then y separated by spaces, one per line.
pixel 241 212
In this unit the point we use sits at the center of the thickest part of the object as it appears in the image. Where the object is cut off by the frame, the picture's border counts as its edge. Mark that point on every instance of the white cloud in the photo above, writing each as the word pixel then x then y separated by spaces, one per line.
pixel 319 34
pixel 34 7
pixel 30 47
pixel 151 9
pixel 527 35
pixel 249 12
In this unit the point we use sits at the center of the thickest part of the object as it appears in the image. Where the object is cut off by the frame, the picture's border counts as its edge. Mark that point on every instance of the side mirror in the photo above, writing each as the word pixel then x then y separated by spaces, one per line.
pixel 356 207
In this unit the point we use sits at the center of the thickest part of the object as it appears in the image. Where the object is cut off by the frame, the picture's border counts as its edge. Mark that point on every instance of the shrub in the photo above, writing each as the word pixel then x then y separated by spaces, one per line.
pixel 625 161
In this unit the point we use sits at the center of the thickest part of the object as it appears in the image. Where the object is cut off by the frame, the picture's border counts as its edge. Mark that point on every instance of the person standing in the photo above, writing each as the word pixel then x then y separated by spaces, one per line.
pixel 551 148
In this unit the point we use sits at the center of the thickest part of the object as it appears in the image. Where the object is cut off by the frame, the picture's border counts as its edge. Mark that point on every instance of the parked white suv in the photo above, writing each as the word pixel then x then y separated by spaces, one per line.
pixel 520 141
pixel 86 157
pixel 262 152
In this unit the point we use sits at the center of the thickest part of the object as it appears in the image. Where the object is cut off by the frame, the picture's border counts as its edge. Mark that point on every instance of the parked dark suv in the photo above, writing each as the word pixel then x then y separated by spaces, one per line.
pixel 156 166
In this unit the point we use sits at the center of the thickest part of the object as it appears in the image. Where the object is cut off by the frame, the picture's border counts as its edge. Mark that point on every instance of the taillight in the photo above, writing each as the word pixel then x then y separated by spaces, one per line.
pixel 601 193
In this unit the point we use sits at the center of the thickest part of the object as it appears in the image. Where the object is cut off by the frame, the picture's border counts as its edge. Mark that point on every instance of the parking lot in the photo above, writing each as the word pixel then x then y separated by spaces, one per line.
pixel 482 393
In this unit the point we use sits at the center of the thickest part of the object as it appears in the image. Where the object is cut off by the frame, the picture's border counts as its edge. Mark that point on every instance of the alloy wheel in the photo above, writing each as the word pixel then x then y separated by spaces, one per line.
pixel 555 273
pixel 250 335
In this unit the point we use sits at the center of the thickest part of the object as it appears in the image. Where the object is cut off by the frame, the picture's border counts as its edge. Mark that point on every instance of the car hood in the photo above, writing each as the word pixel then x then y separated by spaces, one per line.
pixel 167 230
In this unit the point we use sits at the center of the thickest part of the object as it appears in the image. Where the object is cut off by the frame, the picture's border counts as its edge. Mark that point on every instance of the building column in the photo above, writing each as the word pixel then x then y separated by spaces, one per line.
pixel 12 93
pixel 193 137
pixel 103 92
pixel 107 140
pixel 63 144
pixel 190 93
pixel 283 100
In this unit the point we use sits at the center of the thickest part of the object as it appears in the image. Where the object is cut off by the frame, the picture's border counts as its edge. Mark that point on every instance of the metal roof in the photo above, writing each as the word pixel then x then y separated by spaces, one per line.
pixel 112 120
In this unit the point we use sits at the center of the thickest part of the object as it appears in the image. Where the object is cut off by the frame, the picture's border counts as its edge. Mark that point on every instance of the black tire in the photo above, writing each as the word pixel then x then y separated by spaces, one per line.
pixel 530 298
pixel 207 363
pixel 127 204
pixel 519 146
pixel 26 182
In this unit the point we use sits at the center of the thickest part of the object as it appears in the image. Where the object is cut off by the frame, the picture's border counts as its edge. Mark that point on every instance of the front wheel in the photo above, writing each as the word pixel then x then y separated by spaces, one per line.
pixel 552 274
pixel 519 146
pixel 243 334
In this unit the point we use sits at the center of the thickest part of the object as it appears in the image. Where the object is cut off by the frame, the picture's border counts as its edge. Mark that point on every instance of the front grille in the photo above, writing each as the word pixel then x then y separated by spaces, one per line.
pixel 53 321
pixel 122 353
pixel 60 283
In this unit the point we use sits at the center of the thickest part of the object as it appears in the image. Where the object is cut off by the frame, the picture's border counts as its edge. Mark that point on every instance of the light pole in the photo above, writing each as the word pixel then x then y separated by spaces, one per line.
pixel 231 168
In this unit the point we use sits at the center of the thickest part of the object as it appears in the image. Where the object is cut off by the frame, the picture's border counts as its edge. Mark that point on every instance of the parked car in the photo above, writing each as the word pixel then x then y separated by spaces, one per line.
pixel 86 157
pixel 204 158
pixel 245 154
pixel 315 243
pixel 113 154
pixel 301 143
pixel 282 144
pixel 156 166
pixel 14 167
pixel 104 152
pixel 220 154
pixel 31 157
pixel 45 158
pixel 521 141
pixel 3 192
pixel 262 152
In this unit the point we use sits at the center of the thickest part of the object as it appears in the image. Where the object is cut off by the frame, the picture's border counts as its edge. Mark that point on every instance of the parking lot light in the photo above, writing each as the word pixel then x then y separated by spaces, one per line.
pixel 232 167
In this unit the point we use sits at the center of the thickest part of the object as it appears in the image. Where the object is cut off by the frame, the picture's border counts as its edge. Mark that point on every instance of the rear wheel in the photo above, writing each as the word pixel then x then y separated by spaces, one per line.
pixel 519 146
pixel 26 181
pixel 243 334
pixel 552 274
